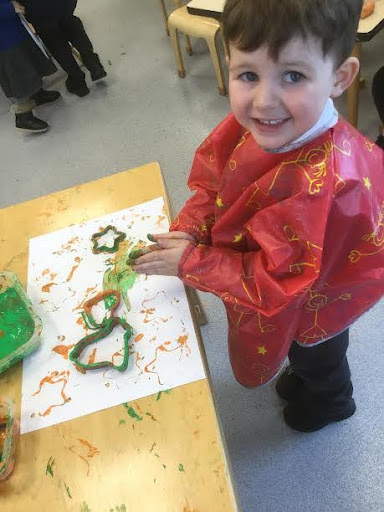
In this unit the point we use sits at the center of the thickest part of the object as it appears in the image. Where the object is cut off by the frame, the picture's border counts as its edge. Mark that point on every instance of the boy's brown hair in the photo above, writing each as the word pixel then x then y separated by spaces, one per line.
pixel 250 24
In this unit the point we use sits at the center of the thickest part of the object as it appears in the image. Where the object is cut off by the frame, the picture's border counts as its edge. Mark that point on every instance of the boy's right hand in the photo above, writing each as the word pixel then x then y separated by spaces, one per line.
pixel 18 7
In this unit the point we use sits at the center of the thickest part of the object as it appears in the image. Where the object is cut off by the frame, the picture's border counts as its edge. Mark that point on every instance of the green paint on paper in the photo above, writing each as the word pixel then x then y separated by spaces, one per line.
pixel 16 323
pixel 181 468
pixel 50 464
pixel 132 413
pixel 67 489
pixel 122 422
pixel 121 276
pixel 167 391
pixel 85 508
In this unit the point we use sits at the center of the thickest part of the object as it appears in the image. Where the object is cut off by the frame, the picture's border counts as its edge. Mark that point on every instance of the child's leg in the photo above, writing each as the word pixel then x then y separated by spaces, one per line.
pixel 378 96
pixel 326 393
pixel 74 30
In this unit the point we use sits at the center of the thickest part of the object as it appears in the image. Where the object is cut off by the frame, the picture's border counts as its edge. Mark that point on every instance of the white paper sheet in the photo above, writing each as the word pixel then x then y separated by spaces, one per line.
pixel 63 273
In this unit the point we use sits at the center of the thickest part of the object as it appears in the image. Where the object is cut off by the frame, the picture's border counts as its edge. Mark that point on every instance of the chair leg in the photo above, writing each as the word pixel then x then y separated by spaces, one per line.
pixel 353 91
pixel 165 14
pixel 188 45
pixel 176 48
pixel 212 45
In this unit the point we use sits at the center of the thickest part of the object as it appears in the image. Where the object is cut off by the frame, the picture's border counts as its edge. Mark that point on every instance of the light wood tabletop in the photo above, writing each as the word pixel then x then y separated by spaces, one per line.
pixel 172 460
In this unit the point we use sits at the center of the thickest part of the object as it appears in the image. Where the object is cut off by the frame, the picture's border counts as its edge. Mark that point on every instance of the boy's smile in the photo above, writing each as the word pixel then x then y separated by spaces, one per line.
pixel 278 101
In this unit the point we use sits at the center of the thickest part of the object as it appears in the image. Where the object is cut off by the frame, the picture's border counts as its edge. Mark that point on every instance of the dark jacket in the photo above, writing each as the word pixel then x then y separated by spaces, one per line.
pixel 12 32
pixel 47 12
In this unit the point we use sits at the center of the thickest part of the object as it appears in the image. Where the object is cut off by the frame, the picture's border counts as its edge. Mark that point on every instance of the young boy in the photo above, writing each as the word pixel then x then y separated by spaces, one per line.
pixel 286 224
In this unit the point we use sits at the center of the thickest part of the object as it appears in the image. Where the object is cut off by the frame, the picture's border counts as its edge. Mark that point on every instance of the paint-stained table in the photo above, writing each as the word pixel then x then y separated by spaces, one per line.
pixel 161 453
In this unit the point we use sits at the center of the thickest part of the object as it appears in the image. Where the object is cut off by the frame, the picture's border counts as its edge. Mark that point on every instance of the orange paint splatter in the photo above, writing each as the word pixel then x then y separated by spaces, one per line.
pixel 139 337
pixel 79 321
pixel 88 292
pixel 47 287
pixel 92 451
pixel 68 246
pixel 54 378
pixel 1 334
pixel 63 350
pixel 74 268
pixel 92 357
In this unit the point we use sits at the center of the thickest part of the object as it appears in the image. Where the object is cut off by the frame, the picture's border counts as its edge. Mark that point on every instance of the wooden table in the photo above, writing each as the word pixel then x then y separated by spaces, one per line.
pixel 367 29
pixel 174 460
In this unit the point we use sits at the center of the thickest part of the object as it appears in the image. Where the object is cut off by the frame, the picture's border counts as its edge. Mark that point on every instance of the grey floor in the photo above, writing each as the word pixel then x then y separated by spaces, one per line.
pixel 143 113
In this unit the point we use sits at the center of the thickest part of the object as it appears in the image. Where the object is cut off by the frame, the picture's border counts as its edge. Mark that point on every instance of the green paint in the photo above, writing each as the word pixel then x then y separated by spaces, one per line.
pixel 122 508
pixel 150 238
pixel 85 508
pixel 181 468
pixel 132 413
pixel 152 447
pixel 164 466
pixel 16 322
pixel 50 464
pixel 121 276
pixel 167 391
pixel 122 422
pixel 67 489
pixel 135 254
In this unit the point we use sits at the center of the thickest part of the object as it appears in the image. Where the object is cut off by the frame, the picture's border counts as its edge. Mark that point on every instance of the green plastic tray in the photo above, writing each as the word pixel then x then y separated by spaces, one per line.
pixel 9 432
pixel 20 327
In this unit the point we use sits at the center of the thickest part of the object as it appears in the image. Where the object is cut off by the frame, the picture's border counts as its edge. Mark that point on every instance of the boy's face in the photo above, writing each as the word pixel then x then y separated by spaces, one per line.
pixel 277 101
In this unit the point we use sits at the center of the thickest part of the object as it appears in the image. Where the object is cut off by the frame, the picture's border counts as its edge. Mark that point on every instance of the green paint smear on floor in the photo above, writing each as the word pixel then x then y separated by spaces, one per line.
pixel 132 413
pixel 16 322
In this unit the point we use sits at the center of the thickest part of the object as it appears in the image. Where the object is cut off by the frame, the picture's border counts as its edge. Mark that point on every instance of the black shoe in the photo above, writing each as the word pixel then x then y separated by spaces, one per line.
pixel 380 141
pixel 305 419
pixel 29 123
pixel 43 97
pixel 95 67
pixel 77 86
pixel 288 385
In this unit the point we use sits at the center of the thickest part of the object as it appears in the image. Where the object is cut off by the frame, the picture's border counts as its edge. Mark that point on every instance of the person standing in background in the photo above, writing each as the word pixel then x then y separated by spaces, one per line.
pixel 22 66
pixel 378 96
pixel 58 28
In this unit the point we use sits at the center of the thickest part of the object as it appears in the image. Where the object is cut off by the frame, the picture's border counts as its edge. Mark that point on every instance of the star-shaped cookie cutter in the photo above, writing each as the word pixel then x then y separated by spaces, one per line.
pixel 120 236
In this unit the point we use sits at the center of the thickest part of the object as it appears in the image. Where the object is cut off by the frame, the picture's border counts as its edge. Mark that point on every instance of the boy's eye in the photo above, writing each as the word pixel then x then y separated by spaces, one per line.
pixel 249 76
pixel 293 77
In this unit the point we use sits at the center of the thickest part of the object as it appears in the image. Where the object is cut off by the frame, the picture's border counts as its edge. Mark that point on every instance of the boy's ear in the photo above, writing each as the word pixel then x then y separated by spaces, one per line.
pixel 345 75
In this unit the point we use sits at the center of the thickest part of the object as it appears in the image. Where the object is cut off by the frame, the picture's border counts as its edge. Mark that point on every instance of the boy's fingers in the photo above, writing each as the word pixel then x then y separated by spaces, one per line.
pixel 140 252
pixel 172 235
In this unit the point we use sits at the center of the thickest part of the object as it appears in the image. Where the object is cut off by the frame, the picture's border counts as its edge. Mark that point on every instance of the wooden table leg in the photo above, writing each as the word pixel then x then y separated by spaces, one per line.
pixel 353 91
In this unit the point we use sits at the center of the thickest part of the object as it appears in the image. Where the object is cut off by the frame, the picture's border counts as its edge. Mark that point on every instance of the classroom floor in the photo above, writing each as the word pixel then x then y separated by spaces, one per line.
pixel 143 112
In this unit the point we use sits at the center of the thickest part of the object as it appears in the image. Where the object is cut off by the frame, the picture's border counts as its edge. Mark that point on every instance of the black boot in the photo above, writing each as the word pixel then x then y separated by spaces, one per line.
pixel 95 67
pixel 77 85
pixel 320 390
pixel 289 385
pixel 43 97
pixel 27 122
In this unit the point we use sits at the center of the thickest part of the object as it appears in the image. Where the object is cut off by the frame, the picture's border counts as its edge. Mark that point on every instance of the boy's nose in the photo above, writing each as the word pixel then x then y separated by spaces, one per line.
pixel 265 96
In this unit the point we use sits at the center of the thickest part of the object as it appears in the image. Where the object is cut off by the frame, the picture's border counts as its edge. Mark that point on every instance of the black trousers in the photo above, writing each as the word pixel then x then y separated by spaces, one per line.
pixel 325 372
pixel 378 92
pixel 57 36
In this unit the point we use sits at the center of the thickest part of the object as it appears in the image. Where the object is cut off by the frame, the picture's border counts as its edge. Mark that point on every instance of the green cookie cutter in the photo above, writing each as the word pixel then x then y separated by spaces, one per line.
pixel 96 249
pixel 97 336
pixel 111 300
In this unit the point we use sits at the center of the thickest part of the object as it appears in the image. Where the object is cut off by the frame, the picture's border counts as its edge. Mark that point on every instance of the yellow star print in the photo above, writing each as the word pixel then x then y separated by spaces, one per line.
pixel 219 202
pixel 262 350
pixel 237 238
pixel 367 183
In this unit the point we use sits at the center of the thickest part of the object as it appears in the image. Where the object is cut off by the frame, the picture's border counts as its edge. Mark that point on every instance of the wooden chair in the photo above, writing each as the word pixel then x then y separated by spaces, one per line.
pixel 196 26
